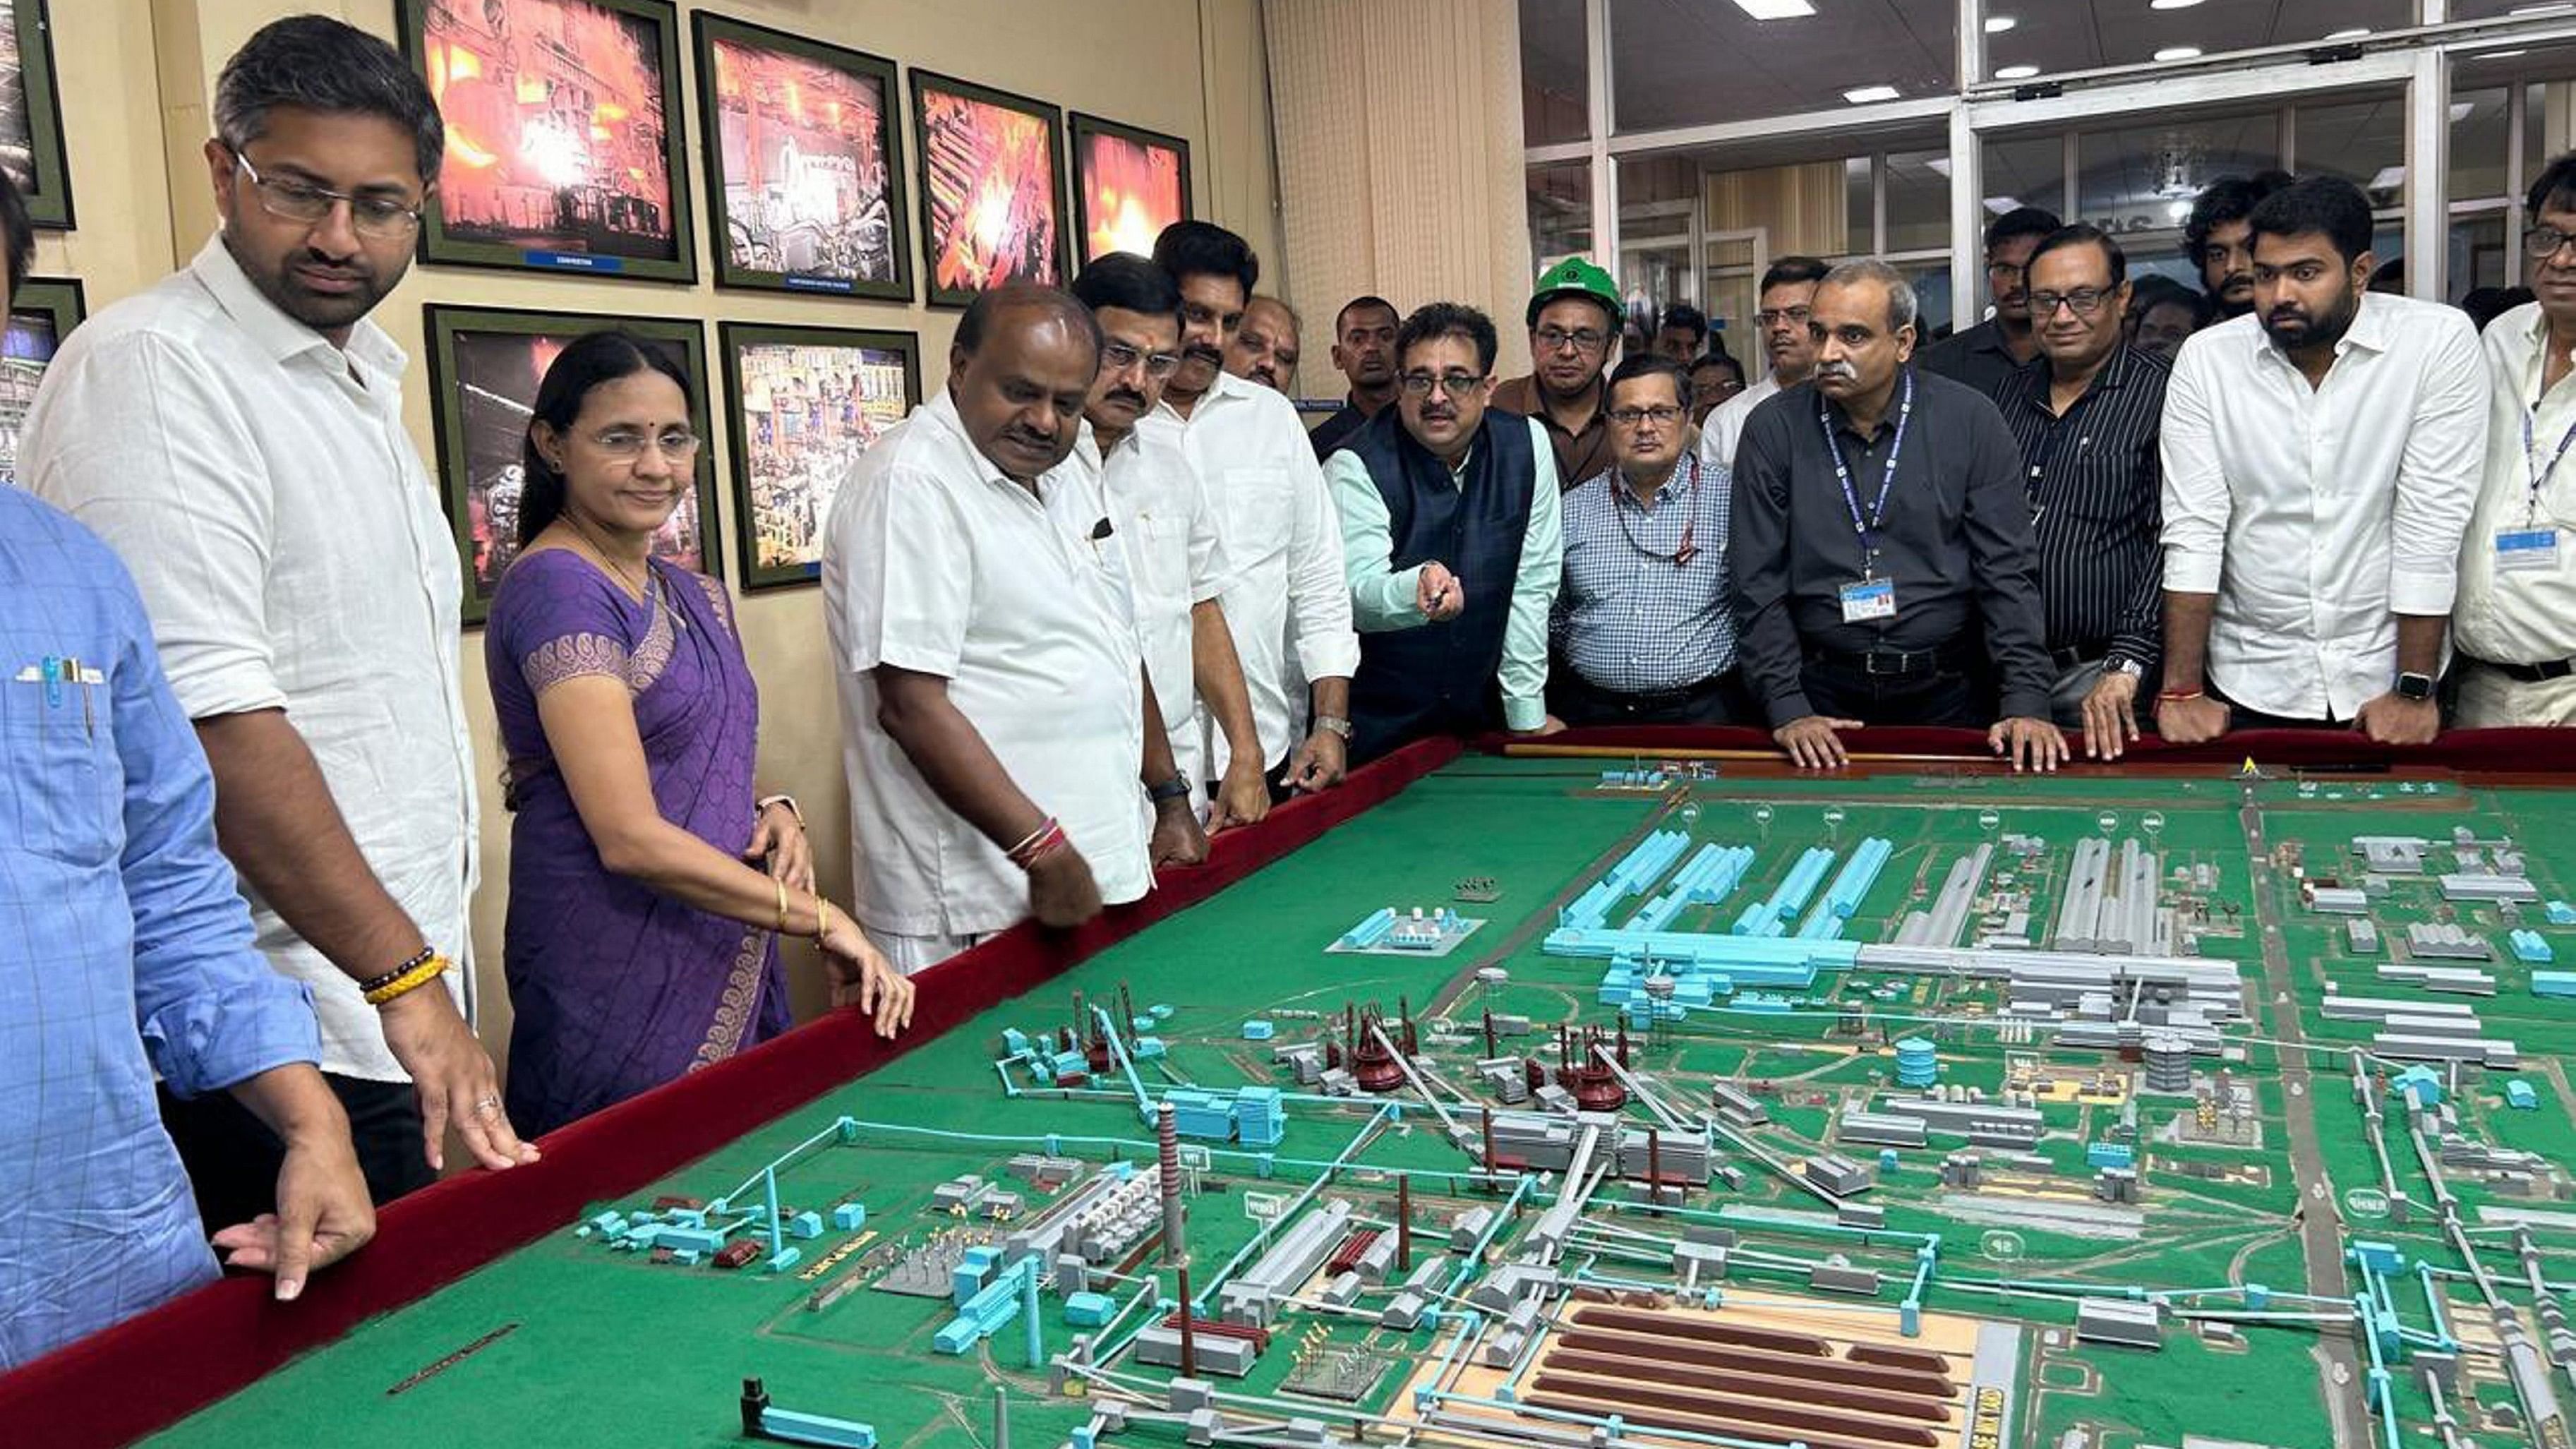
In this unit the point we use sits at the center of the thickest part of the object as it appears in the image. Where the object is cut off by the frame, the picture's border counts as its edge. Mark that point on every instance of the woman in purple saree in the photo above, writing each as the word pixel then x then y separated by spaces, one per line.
pixel 647 888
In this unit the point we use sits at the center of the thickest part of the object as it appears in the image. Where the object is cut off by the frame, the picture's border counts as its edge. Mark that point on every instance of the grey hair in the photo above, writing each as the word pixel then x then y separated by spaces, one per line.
pixel 316 63
pixel 1902 305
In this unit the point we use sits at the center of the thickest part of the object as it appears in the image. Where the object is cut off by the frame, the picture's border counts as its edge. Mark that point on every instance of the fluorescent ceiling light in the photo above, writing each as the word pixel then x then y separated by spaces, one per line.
pixel 2179 52
pixel 1998 24
pixel 2001 204
pixel 2502 54
pixel 1939 165
pixel 2358 32
pixel 2388 179
pixel 2171 4
pixel 2016 72
pixel 2560 8
pixel 1776 9
pixel 2179 211
pixel 2460 110
pixel 1867 94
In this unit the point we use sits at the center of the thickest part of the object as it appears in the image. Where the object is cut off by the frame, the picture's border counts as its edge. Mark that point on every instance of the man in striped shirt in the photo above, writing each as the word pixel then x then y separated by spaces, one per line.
pixel 2085 413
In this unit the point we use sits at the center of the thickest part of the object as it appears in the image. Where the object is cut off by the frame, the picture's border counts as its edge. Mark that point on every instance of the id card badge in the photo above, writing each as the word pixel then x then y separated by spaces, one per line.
pixel 1869 599
pixel 2526 548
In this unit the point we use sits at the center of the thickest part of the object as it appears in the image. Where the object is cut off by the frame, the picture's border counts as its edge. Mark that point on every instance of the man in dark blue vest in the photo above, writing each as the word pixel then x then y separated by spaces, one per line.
pixel 1450 543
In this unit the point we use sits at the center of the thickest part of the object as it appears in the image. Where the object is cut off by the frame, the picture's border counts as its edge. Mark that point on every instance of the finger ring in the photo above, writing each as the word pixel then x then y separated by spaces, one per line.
pixel 487 1106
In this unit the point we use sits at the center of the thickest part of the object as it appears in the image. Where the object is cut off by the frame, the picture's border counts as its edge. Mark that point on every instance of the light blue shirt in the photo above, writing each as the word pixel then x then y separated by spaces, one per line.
pixel 125 947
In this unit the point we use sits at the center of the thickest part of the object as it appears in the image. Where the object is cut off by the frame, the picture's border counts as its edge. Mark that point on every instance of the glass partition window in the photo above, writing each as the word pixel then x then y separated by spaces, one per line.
pixel 1560 211
pixel 2026 38
pixel 1699 62
pixel 1555 100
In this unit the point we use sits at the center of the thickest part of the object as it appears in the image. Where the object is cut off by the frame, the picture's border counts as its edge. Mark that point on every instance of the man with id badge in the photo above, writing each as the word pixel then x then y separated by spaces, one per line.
pixel 1887 573
pixel 2516 614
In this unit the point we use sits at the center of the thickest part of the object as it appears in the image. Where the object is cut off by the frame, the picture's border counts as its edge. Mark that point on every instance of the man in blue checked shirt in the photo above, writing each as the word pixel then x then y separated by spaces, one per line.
pixel 125 949
pixel 1644 628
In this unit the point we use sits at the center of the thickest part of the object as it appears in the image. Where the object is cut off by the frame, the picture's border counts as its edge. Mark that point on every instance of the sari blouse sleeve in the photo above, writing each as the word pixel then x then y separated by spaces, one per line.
pixel 557 618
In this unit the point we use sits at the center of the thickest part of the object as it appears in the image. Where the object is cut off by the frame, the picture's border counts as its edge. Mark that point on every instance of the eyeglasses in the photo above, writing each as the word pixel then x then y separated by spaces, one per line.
pixel 1774 316
pixel 1554 339
pixel 2005 271
pixel 373 216
pixel 626 445
pixel 1457 384
pixel 1118 357
pixel 2086 301
pixel 2543 242
pixel 1660 416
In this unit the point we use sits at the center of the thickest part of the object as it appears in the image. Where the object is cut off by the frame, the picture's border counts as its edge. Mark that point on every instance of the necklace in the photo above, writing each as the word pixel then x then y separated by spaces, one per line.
pixel 649 587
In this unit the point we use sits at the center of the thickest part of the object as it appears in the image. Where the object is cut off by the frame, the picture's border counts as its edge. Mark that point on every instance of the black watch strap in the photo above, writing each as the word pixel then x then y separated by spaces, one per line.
pixel 2415 686
pixel 1174 788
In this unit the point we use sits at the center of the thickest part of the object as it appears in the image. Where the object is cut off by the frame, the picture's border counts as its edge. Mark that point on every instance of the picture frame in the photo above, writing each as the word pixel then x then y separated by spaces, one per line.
pixel 801 197
pixel 1010 148
pixel 45 312
pixel 1128 184
pixel 789 459
pixel 547 103
pixel 484 367
pixel 31 114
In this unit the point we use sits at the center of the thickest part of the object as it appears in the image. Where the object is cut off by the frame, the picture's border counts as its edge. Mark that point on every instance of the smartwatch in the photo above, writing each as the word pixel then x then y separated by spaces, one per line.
pixel 1172 789
pixel 2415 686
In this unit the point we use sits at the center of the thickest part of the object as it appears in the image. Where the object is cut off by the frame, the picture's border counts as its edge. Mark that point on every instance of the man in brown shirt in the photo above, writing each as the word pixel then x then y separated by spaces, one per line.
pixel 1573 321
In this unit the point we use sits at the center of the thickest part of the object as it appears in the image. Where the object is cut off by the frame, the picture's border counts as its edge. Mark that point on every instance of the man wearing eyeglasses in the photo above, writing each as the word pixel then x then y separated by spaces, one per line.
pixel 1644 628
pixel 1450 545
pixel 1985 355
pixel 2085 415
pixel 2516 614
pixel 1174 558
pixel 1573 319
pixel 236 433
pixel 1788 291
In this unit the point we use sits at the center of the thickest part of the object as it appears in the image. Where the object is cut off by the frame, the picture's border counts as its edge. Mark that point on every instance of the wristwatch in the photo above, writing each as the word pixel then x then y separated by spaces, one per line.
pixel 2121 664
pixel 1174 788
pixel 2415 686
pixel 1335 725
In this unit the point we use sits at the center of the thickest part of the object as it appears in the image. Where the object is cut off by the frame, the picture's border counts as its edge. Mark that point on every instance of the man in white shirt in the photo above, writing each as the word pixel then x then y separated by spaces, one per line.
pixel 236 434
pixel 1788 290
pixel 1005 753
pixel 1290 615
pixel 1175 559
pixel 2516 615
pixel 2321 456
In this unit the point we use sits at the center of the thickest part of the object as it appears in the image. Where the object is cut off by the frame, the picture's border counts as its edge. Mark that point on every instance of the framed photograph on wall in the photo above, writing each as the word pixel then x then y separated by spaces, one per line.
pixel 1128 184
pixel 484 367
pixel 31 114
pixel 47 310
pixel 992 188
pixel 804 176
pixel 564 140
pixel 805 402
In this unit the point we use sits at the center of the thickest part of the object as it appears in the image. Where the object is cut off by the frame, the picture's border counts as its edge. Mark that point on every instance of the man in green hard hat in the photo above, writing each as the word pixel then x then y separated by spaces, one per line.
pixel 1574 322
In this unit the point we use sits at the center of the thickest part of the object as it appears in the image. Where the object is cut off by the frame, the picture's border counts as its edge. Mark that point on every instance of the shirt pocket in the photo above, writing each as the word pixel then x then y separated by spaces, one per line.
pixel 1162 557
pixel 60 784
pixel 1256 504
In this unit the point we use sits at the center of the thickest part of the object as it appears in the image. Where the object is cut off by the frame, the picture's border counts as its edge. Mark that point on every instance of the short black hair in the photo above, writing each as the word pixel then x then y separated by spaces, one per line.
pixel 2228 199
pixel 1189 249
pixel 2085 234
pixel 2555 185
pixel 1369 303
pixel 1651 364
pixel 1129 283
pixel 1052 300
pixel 1718 359
pixel 1689 318
pixel 17 237
pixel 1790 272
pixel 2327 206
pixel 2019 222
pixel 1449 319
pixel 2203 310
pixel 316 63
pixel 593 359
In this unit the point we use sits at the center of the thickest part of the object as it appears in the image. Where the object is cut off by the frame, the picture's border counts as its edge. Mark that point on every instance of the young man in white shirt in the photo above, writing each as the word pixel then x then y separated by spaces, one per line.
pixel 1005 752
pixel 1788 291
pixel 236 434
pixel 2321 456
pixel 1175 559
pixel 1286 605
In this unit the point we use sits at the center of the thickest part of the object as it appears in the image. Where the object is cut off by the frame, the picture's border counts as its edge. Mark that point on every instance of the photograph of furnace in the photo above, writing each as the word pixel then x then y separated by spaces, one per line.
pixel 802 165
pixel 1128 185
pixel 991 188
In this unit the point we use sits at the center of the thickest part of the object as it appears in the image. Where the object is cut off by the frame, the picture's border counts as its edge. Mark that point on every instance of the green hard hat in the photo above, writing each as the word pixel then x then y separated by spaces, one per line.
pixel 1575 277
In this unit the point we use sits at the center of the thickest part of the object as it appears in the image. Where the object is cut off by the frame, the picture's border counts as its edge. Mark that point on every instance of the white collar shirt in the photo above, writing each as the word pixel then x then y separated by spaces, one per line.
pixel 2522 615
pixel 1175 562
pixel 2317 515
pixel 1725 426
pixel 936 562
pixel 1285 602
pixel 292 553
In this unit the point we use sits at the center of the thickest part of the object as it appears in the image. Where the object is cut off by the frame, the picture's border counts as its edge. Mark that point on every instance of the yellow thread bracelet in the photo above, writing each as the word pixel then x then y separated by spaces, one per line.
pixel 410 981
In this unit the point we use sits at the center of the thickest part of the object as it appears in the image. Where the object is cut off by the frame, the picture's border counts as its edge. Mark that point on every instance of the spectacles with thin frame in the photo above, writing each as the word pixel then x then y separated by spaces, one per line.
pixel 309 205
pixel 627 445
pixel 1118 357
pixel 1555 339
pixel 1659 415
pixel 1774 316
pixel 1459 385
pixel 2086 302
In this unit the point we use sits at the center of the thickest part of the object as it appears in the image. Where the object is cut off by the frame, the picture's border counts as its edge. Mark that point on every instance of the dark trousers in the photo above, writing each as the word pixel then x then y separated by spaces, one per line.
pixel 232 1158
pixel 1718 700
pixel 2241 718
pixel 1927 697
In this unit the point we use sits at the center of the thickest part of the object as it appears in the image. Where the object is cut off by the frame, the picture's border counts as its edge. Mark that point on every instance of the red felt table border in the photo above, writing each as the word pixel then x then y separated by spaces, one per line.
pixel 156 1368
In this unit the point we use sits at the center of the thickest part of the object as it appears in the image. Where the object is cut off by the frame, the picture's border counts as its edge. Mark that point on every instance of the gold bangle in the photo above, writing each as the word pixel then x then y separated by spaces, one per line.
pixel 822 917
pixel 782 903
pixel 408 982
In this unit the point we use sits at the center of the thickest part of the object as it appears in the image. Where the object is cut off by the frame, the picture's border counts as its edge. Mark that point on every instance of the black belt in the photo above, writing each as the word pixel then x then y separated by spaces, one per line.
pixel 2076 654
pixel 1894 663
pixel 1641 701
pixel 2540 673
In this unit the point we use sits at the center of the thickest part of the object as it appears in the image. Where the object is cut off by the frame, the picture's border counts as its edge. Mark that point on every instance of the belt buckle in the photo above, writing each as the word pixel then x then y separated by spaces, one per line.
pixel 1869 662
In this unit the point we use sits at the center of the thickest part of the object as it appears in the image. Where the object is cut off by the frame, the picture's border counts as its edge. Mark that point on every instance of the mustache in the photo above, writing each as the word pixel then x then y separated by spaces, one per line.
pixel 1204 354
pixel 1126 395
pixel 1835 369
pixel 1027 439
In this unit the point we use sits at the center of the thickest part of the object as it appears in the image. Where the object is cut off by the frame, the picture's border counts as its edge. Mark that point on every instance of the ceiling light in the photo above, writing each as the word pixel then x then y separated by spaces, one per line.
pixel 2179 211
pixel 2460 110
pixel 2560 8
pixel 2179 52
pixel 1776 9
pixel 1938 165
pixel 2358 32
pixel 2171 4
pixel 2502 54
pixel 1998 24
pixel 2001 204
pixel 2388 179
pixel 1868 94
pixel 2016 72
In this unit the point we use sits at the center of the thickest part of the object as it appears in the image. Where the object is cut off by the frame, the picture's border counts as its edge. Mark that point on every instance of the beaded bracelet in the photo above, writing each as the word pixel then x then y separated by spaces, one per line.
pixel 409 981
pixel 378 983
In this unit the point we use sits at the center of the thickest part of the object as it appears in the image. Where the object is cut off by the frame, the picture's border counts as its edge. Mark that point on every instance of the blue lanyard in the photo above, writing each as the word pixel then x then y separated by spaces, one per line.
pixel 2531 463
pixel 1867 527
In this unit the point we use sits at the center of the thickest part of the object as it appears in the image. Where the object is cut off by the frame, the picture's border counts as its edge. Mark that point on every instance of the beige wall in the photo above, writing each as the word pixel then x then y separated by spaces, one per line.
pixel 136 76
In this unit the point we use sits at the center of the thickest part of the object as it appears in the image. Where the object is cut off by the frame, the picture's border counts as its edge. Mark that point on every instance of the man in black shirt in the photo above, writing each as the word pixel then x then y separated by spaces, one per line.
pixel 1984 355
pixel 1878 519
pixel 1364 350
pixel 2085 416
pixel 2219 238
